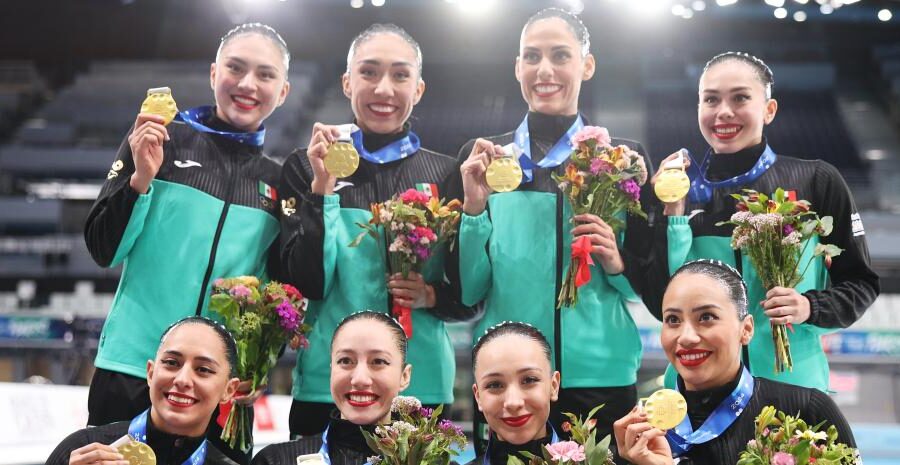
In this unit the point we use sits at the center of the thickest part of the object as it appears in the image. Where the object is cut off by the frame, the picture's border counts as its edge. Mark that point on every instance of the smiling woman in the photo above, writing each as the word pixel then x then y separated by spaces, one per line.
pixel 192 373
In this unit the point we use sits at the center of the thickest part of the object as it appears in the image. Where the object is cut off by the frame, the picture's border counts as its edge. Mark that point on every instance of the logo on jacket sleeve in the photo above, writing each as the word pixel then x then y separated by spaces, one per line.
pixel 267 191
pixel 856 223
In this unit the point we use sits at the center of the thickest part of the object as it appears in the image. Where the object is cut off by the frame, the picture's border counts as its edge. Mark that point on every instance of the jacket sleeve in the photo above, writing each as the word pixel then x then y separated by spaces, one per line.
pixel 854 286
pixel 117 217
pixel 822 408
pixel 307 249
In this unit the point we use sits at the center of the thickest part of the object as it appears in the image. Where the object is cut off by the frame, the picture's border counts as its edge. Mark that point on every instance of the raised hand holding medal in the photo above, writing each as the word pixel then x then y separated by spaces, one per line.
pixel 160 102
pixel 342 159
pixel 504 174
pixel 148 136
pixel 672 182
pixel 665 408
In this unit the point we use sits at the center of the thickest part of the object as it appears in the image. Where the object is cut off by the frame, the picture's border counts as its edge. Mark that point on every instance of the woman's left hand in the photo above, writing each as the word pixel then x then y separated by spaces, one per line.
pixel 412 292
pixel 243 396
pixel 603 242
pixel 784 305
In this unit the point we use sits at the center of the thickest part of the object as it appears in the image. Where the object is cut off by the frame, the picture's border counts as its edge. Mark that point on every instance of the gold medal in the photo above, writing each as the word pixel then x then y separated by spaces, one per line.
pixel 159 101
pixel 672 185
pixel 138 453
pixel 665 408
pixel 342 159
pixel 504 175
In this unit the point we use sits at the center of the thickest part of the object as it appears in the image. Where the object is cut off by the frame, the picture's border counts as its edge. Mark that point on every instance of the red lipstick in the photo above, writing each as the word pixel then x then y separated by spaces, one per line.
pixel 518 421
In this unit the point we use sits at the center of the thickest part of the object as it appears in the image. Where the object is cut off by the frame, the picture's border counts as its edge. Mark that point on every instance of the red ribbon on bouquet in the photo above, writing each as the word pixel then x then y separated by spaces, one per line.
pixel 581 257
pixel 404 317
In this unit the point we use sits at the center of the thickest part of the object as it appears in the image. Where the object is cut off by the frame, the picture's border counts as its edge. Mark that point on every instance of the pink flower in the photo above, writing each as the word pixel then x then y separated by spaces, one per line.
pixel 414 196
pixel 566 451
pixel 598 165
pixel 596 133
pixel 240 291
pixel 782 458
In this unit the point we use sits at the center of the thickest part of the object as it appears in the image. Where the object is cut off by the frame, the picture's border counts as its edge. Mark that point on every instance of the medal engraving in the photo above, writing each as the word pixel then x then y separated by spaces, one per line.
pixel 138 453
pixel 159 101
pixel 672 185
pixel 665 409
pixel 342 159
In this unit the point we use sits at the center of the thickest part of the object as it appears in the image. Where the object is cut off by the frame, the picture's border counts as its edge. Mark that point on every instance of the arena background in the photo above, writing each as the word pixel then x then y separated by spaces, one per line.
pixel 73 74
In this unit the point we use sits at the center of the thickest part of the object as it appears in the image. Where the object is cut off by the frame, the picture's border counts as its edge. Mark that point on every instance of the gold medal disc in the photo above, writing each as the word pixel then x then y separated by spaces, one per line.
pixel 672 185
pixel 504 174
pixel 159 101
pixel 665 409
pixel 138 453
pixel 342 159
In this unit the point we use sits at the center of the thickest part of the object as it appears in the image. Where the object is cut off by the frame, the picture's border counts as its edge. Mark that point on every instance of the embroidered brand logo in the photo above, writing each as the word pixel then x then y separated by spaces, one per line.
pixel 342 184
pixel 856 223
pixel 186 163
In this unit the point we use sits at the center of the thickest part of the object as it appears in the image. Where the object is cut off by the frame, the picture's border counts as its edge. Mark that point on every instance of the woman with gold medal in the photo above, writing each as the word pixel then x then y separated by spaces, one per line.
pixel 192 372
pixel 375 158
pixel 735 105
pixel 514 241
pixel 705 325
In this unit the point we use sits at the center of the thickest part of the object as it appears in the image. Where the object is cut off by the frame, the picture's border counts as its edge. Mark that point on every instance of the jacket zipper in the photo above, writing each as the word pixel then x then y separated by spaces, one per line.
pixel 215 243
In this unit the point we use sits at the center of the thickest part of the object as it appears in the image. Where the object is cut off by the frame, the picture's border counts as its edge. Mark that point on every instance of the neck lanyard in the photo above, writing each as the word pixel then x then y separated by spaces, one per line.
pixel 323 451
pixel 138 432
pixel 683 437
pixel 554 438
pixel 702 189
pixel 195 117
pixel 558 153
pixel 396 150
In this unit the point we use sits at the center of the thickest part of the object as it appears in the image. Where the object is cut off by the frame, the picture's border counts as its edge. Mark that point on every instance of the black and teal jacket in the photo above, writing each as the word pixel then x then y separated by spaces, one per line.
pixel 513 257
pixel 341 280
pixel 838 296
pixel 202 218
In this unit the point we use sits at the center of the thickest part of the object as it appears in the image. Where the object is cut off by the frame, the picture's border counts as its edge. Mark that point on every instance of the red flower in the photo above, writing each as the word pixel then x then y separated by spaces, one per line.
pixel 414 196
pixel 742 207
pixel 566 427
pixel 292 292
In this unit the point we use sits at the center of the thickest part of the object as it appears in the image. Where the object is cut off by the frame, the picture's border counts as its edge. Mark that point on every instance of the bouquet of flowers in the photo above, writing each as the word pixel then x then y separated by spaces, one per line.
pixel 774 233
pixel 414 224
pixel 784 440
pixel 602 180
pixel 583 449
pixel 419 436
pixel 262 320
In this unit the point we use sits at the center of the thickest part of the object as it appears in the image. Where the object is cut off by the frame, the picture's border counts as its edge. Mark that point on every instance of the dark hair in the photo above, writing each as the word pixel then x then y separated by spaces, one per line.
pixel 263 30
pixel 224 335
pixel 511 327
pixel 726 275
pixel 762 71
pixel 384 28
pixel 571 19
pixel 396 330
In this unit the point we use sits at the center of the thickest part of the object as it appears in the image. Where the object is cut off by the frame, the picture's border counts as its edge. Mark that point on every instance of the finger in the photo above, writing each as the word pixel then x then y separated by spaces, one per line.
pixel 409 303
pixel 498 151
pixel 157 130
pixel 404 293
pixel 318 150
pixel 401 284
pixel 144 117
pixel 781 321
pixel 780 312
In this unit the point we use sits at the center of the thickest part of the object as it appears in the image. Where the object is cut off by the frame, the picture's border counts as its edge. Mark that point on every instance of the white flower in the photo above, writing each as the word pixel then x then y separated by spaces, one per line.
pixel 811 435
pixel 792 239
pixel 741 217
pixel 401 426
pixel 764 221
pixel 405 404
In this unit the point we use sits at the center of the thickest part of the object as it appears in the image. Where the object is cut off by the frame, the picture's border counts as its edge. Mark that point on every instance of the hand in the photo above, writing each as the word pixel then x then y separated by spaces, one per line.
pixel 784 305
pixel 96 454
pixel 411 292
pixel 475 186
pixel 672 208
pixel 243 396
pixel 603 242
pixel 640 443
pixel 322 137
pixel 146 142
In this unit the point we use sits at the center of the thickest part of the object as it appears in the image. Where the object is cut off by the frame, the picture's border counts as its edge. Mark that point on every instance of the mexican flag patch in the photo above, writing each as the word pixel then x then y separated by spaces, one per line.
pixel 430 189
pixel 267 191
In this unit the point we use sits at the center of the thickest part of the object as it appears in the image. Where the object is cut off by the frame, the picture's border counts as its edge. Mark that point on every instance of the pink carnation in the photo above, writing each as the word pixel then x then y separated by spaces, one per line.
pixel 566 451
pixel 414 196
pixel 783 458
pixel 596 133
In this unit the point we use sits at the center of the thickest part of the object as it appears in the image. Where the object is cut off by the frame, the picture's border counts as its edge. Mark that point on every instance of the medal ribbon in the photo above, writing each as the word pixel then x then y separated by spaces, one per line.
pixel 683 437
pixel 558 153
pixel 397 150
pixel 702 189
pixel 581 257
pixel 138 432
pixel 554 438
pixel 195 117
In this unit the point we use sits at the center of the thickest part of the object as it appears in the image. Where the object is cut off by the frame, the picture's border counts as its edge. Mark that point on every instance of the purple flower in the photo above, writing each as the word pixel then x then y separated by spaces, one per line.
pixel 287 316
pixel 788 229
pixel 598 165
pixel 423 252
pixel 448 427
pixel 426 412
pixel 631 189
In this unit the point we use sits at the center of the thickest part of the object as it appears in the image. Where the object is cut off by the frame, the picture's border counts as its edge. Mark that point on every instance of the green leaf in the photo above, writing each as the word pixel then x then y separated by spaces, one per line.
pixel 827 250
pixel 827 224
pixel 779 195
pixel 513 460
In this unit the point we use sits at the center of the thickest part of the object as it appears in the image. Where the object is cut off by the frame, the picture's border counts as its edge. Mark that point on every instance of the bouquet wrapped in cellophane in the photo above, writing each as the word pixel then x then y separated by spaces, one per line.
pixel 774 233
pixel 601 180
pixel 414 224
pixel 262 320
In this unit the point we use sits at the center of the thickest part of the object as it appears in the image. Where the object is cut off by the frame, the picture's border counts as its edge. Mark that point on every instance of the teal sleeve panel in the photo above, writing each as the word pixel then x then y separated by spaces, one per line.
pixel 680 238
pixel 135 226
pixel 331 209
pixel 474 263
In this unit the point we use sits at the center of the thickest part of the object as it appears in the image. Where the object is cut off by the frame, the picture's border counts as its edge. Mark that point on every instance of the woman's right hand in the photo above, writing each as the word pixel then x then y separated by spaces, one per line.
pixel 146 142
pixel 678 207
pixel 475 185
pixel 323 136
pixel 97 454
pixel 639 442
